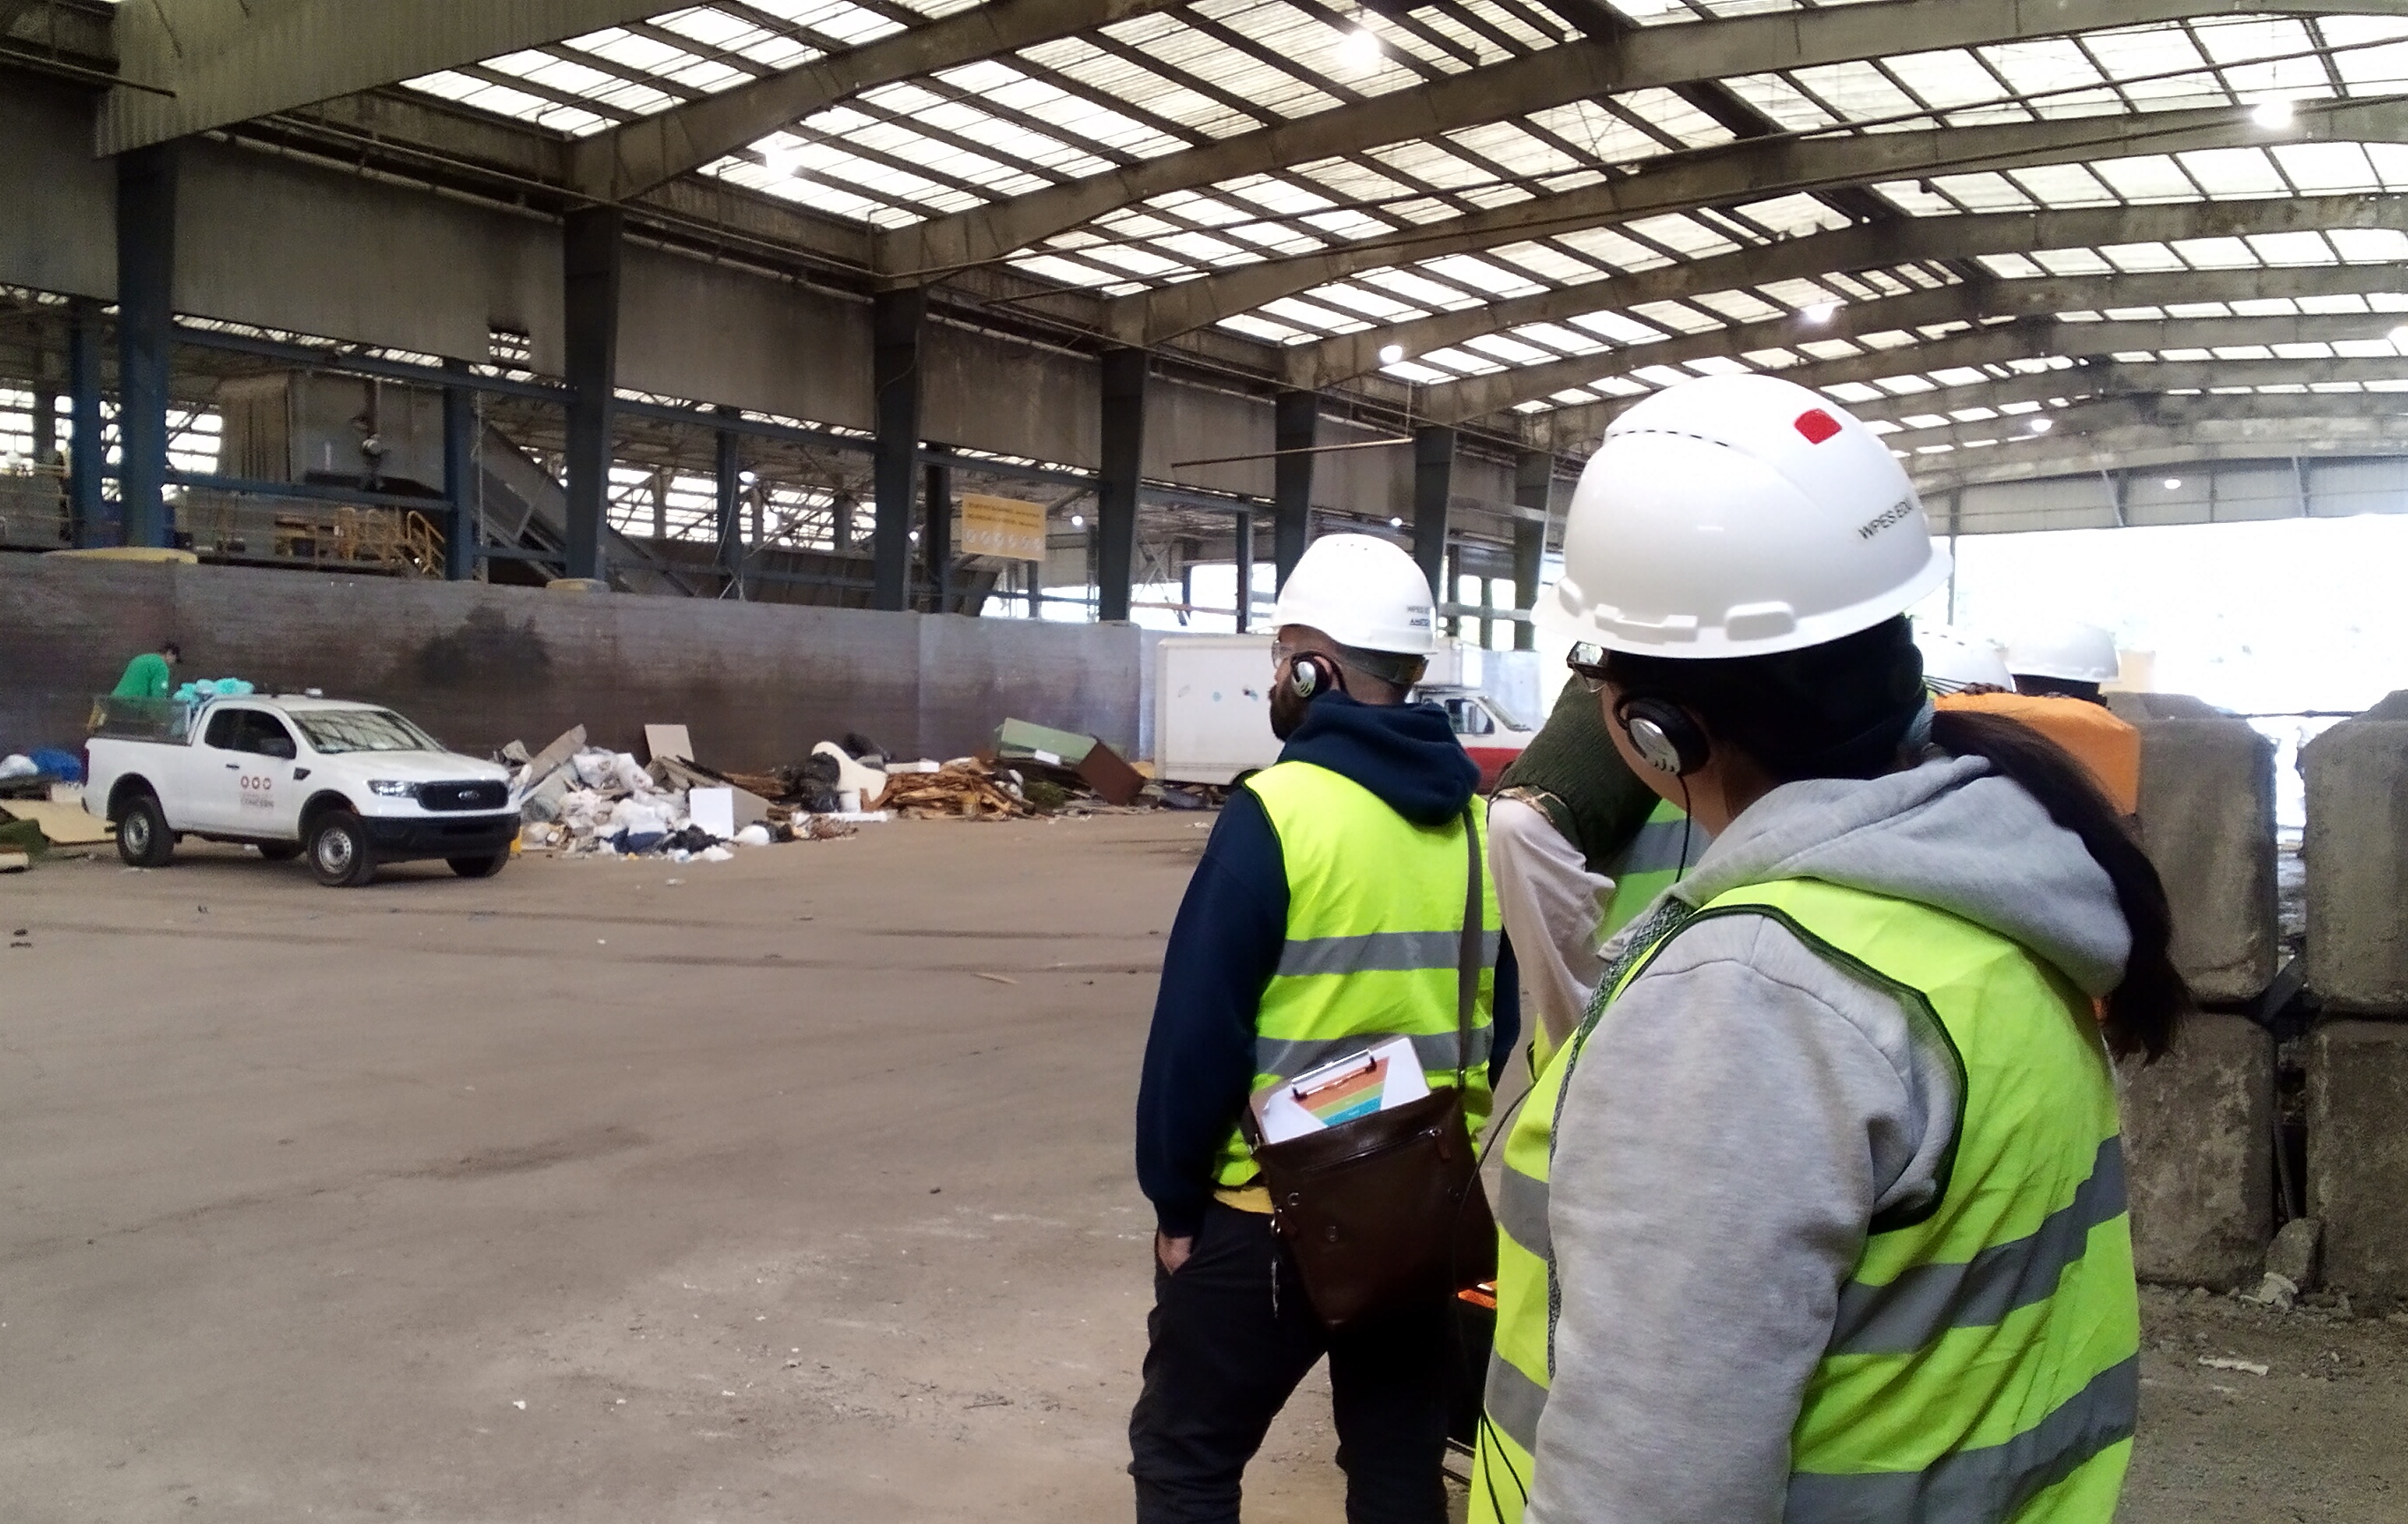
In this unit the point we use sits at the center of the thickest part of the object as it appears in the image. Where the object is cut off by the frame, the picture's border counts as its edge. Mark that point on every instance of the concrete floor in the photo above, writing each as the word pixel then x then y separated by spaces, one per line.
pixel 580 1194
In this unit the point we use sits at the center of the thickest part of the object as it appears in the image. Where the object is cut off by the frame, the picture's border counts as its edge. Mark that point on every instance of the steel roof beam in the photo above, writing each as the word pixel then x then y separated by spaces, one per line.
pixel 1570 430
pixel 1476 396
pixel 2033 337
pixel 227 62
pixel 1751 171
pixel 2151 447
pixel 1846 249
pixel 1630 58
pixel 2103 415
pixel 631 159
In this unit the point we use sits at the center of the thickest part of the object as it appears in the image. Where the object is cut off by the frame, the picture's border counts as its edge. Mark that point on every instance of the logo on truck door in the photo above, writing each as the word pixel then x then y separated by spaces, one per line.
pixel 258 791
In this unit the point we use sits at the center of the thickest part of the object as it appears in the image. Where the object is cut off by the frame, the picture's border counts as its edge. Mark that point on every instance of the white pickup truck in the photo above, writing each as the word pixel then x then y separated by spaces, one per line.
pixel 352 784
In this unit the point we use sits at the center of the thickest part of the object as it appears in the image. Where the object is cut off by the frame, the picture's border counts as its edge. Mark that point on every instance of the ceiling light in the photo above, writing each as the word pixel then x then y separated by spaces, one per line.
pixel 783 162
pixel 2174 483
pixel 1078 520
pixel 1820 313
pixel 1391 353
pixel 1359 51
pixel 748 477
pixel 1396 524
pixel 2042 425
pixel 2274 115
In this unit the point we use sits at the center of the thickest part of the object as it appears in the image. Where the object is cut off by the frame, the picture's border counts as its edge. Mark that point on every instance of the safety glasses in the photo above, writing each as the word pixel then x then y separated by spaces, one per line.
pixel 1587 662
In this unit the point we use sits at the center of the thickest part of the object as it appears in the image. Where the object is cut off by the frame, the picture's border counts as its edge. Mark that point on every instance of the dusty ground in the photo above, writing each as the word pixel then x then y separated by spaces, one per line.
pixel 762 1201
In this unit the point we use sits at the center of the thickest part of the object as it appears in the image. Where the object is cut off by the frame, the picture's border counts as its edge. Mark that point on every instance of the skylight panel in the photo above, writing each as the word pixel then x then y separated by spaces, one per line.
pixel 1606 244
pixel 1605 136
pixel 819 195
pixel 2133 257
pixel 2072 262
pixel 2216 253
pixel 2390 161
pixel 2325 168
pixel 1275 90
pixel 2246 38
pixel 2153 177
pixel 1134 260
pixel 2369 70
pixel 1456 361
pixel 1203 249
pixel 1983 193
pixel 1791 109
pixel 1684 236
pixel 1548 264
pixel 1432 164
pixel 1348 180
pixel 1508 146
pixel 1676 318
pixel 1375 305
pixel 2046 64
pixel 1068 272
pixel 1113 77
pixel 1740 305
pixel 2011 267
pixel 2136 57
pixel 1510 351
pixel 2292 249
pixel 1858 91
pixel 1490 280
pixel 1262 328
pixel 1559 337
pixel 2331 306
pixel 636 52
pixel 1417 288
pixel 1619 327
pixel 1302 314
pixel 1909 196
pixel 2234 172
pixel 1948 79
pixel 2370 245
pixel 2057 185
pixel 2265 307
pixel 1667 112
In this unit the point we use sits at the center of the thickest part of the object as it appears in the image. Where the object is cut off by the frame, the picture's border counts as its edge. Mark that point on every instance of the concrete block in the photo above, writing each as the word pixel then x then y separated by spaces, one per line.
pixel 2298 1252
pixel 2358 1153
pixel 2207 818
pixel 2198 1130
pixel 2356 857
pixel 2141 708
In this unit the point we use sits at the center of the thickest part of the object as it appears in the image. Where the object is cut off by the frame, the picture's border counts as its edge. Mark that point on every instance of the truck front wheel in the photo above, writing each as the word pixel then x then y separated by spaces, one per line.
pixel 143 839
pixel 339 850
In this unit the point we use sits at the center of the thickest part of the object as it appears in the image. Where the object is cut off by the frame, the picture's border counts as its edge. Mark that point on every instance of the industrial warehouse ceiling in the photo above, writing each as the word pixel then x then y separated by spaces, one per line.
pixel 1992 225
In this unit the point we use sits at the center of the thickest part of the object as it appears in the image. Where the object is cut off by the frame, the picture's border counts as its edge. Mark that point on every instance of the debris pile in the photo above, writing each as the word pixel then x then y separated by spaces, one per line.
pixel 578 798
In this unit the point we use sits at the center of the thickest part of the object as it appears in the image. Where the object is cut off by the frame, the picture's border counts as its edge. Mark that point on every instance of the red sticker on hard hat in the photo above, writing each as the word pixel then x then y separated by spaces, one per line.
pixel 1817 425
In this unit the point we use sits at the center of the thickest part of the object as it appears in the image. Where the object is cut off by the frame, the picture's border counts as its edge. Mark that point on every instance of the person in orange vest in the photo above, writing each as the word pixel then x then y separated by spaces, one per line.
pixel 2058 697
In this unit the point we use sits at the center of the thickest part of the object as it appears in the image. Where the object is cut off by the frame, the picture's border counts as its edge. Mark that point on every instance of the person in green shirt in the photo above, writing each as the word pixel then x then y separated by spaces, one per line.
pixel 147 675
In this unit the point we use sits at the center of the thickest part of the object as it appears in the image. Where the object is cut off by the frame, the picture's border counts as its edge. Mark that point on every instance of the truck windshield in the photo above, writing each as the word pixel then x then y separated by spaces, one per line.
pixel 334 731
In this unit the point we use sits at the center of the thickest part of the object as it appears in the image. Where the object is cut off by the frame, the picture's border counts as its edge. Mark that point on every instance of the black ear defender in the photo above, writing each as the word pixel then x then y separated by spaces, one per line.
pixel 1310 673
pixel 1665 736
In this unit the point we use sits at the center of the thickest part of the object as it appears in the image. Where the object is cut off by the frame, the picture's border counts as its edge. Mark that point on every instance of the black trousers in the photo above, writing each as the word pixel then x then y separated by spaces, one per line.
pixel 1227 1350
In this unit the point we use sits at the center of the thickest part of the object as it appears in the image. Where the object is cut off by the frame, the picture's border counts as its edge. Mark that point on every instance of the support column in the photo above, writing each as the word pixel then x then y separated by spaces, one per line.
pixel 936 536
pixel 1123 452
pixel 1296 426
pixel 460 533
pixel 88 458
pixel 727 503
pixel 896 321
pixel 1242 553
pixel 840 523
pixel 1433 485
pixel 590 249
pixel 1534 476
pixel 662 478
pixel 1035 588
pixel 146 268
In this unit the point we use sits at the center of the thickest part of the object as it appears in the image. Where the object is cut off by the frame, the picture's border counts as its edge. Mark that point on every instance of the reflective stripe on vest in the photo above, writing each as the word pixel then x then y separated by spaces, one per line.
pixel 1374 932
pixel 1665 845
pixel 1981 1363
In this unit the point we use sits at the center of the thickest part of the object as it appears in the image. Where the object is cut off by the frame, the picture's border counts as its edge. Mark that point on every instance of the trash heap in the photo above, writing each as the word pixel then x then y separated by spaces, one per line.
pixel 576 798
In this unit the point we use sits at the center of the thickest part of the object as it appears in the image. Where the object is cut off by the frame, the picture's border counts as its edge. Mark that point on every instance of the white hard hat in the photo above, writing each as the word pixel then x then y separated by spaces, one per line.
pixel 1953 661
pixel 1740 517
pixel 2064 649
pixel 1361 591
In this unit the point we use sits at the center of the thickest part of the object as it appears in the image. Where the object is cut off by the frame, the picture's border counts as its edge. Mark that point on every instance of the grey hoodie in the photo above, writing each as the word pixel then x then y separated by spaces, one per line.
pixel 1740 1115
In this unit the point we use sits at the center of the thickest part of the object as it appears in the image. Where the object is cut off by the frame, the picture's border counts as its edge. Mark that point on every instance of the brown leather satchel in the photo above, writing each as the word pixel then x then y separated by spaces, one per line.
pixel 1386 1211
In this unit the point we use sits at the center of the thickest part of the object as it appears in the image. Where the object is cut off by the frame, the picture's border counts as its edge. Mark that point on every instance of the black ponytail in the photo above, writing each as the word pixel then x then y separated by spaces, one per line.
pixel 2145 1010
pixel 1844 710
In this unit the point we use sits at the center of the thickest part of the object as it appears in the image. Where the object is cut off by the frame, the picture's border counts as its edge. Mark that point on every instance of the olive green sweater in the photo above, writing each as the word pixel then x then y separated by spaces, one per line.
pixel 1581 782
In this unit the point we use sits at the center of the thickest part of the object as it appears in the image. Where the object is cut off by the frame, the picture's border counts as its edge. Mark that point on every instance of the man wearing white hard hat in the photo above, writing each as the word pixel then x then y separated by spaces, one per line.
pixel 1819 1213
pixel 1967 672
pixel 1326 917
pixel 2064 659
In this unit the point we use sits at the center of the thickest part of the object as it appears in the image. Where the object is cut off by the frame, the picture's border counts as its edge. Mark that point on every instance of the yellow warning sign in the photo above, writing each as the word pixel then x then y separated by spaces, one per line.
pixel 1007 528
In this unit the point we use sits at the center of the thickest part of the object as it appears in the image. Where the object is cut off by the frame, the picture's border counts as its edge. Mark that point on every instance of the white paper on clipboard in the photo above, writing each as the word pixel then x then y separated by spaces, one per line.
pixel 1282 1116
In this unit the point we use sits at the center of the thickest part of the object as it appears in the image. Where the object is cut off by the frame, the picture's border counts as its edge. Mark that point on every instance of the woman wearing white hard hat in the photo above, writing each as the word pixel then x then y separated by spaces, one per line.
pixel 1819 1215
pixel 2063 658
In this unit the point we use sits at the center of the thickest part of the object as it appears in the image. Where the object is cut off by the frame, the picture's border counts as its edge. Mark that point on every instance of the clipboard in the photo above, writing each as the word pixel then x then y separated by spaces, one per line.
pixel 1343 1091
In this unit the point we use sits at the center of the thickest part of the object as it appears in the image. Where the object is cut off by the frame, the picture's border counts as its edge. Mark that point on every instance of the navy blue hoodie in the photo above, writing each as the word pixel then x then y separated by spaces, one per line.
pixel 1224 948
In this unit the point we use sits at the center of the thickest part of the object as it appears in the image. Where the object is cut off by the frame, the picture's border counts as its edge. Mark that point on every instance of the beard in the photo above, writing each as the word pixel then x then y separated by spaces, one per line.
pixel 1287 710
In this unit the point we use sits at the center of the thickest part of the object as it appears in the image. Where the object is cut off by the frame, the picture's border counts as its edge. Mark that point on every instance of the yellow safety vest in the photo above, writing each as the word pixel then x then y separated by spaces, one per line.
pixel 1984 1364
pixel 1374 934
pixel 1668 844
